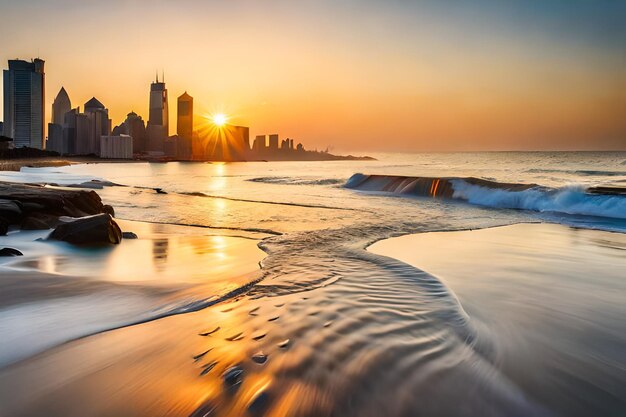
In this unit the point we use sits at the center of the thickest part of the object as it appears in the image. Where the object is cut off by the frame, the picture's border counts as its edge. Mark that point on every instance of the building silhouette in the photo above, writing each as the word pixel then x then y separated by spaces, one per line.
pixel 60 107
pixel 91 125
pixel 184 126
pixel 69 132
pixel 116 147
pixel 158 120
pixel 273 142
pixel 258 145
pixel 24 100
pixel 242 133
pixel 134 127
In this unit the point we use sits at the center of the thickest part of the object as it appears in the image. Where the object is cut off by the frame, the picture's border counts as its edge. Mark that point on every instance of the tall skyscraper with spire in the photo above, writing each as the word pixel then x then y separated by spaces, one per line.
pixel 24 100
pixel 158 120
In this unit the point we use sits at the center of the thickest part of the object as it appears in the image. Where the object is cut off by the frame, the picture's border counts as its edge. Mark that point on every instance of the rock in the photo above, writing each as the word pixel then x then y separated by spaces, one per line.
pixel 51 201
pixel 97 229
pixel 29 206
pixel 4 227
pixel 10 252
pixel 109 210
pixel 129 235
pixel 10 211
pixel 34 223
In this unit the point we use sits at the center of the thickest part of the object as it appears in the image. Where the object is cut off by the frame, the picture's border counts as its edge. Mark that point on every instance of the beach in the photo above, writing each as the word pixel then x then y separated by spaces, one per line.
pixel 263 289
pixel 541 294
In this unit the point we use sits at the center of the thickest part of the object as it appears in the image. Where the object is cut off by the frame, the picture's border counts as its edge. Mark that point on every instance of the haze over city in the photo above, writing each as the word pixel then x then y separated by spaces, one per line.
pixel 370 76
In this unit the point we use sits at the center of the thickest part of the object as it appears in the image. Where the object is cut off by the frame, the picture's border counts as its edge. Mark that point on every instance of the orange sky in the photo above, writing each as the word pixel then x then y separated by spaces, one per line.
pixel 356 76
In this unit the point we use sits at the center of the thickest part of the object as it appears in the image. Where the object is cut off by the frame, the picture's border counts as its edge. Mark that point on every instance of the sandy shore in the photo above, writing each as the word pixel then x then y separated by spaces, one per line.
pixel 546 300
pixel 320 335
pixel 57 292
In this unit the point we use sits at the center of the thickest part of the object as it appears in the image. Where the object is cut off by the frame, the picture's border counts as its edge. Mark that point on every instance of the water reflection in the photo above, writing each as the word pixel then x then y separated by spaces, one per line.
pixel 161 255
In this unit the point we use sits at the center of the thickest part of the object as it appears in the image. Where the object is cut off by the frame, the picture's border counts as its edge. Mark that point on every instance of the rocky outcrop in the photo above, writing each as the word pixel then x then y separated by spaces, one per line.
pixel 129 235
pixel 90 230
pixel 10 211
pixel 10 252
pixel 39 222
pixel 35 206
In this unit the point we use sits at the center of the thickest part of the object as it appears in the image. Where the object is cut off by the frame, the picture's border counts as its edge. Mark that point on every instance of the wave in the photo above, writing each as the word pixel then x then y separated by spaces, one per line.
pixel 569 200
pixel 279 203
pixel 584 172
pixel 297 181
pixel 575 200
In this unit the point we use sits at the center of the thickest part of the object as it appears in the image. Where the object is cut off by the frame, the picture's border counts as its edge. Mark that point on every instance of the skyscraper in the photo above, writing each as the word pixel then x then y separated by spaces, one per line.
pixel 60 106
pixel 24 99
pixel 184 126
pixel 136 128
pixel 158 121
pixel 90 126
pixel 259 143
pixel 273 145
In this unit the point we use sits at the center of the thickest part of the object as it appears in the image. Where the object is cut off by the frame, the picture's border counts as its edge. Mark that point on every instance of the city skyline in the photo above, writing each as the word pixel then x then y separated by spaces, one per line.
pixel 368 76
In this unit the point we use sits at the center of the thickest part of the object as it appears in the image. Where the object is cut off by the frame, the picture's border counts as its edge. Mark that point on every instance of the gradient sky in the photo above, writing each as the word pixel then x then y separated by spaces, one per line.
pixel 354 75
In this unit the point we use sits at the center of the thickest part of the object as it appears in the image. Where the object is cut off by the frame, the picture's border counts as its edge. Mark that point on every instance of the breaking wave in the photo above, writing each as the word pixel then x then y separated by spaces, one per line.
pixel 575 200
pixel 569 200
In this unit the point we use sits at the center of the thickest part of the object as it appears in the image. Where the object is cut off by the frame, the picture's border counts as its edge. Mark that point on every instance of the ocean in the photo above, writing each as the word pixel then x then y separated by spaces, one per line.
pixel 401 339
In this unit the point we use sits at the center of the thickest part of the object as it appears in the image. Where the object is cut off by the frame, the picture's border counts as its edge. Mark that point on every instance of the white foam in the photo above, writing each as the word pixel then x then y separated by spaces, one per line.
pixel 569 200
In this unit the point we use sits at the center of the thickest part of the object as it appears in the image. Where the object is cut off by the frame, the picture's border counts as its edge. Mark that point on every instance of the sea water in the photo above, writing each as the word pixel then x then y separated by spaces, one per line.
pixel 413 348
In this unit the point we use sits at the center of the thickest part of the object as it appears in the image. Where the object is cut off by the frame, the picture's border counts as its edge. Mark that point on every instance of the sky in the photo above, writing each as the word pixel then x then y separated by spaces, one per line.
pixel 399 76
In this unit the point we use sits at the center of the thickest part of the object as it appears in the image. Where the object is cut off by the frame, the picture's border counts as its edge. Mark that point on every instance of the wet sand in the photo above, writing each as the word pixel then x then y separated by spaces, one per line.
pixel 340 345
pixel 374 337
pixel 550 300
pixel 57 292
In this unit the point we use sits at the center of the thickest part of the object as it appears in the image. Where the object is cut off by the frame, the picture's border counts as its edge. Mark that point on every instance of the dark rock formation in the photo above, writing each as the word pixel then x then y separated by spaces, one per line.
pixel 35 223
pixel 10 211
pixel 129 235
pixel 10 252
pixel 96 229
pixel 33 205
pixel 109 210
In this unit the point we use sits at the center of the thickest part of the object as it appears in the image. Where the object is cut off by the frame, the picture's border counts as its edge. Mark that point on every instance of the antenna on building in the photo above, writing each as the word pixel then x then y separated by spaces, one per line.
pixel 163 76
pixel 157 75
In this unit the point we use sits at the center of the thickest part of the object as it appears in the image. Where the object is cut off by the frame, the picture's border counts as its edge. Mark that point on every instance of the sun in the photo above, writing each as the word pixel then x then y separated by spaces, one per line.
pixel 219 119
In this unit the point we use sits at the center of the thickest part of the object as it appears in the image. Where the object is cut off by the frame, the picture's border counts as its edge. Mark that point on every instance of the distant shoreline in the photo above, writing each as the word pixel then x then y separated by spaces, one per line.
pixel 58 161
